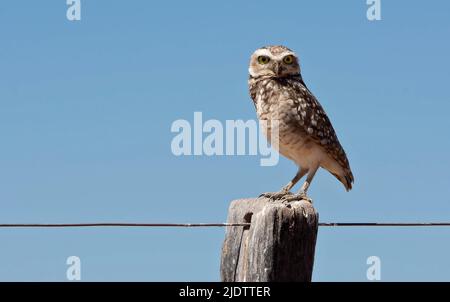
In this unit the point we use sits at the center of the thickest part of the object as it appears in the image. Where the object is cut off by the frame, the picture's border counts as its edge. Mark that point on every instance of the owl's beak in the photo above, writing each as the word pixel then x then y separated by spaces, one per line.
pixel 278 69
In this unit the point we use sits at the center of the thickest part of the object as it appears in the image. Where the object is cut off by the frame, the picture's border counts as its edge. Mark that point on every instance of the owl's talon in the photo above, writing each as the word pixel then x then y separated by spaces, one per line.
pixel 275 195
pixel 297 197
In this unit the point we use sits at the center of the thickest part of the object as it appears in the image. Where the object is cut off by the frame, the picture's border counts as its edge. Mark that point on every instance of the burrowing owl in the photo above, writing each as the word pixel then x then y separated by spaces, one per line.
pixel 306 135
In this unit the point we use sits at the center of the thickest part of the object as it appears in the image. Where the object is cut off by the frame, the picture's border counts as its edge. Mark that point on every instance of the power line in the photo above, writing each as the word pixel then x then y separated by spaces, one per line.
pixel 125 224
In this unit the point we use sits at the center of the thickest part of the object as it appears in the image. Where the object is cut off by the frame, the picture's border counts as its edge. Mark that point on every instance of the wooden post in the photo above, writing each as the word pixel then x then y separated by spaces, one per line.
pixel 278 246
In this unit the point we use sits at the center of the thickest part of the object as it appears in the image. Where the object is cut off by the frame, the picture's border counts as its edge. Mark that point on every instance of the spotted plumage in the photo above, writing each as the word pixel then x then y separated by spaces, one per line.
pixel 306 135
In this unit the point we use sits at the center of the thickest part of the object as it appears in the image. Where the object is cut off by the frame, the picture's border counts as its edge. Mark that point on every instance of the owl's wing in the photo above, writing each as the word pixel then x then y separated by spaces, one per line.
pixel 312 119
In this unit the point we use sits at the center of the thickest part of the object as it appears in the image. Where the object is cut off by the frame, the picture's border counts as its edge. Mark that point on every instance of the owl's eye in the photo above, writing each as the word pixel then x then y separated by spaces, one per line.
pixel 263 59
pixel 288 59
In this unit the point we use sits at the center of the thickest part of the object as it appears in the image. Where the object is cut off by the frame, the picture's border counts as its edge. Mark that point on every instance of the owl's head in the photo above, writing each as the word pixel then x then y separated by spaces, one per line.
pixel 274 61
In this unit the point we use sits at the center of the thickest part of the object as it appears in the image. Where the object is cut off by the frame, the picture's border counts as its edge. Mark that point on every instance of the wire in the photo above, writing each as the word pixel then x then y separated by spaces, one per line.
pixel 383 224
pixel 116 224
pixel 120 224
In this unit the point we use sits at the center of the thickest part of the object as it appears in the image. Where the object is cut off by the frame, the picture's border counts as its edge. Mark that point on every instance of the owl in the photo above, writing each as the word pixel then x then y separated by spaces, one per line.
pixel 305 133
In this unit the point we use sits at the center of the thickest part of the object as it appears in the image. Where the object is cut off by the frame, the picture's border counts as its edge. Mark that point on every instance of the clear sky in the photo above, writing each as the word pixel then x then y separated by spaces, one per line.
pixel 86 109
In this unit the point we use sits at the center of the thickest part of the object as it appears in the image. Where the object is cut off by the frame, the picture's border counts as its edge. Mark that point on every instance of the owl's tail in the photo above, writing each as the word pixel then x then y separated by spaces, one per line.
pixel 346 179
pixel 349 180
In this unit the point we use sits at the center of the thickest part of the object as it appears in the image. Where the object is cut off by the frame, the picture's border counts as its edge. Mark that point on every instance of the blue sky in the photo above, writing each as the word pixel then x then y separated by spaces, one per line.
pixel 87 106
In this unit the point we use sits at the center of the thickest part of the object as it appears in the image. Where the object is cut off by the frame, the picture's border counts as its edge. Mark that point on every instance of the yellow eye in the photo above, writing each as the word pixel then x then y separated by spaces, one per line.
pixel 288 59
pixel 263 59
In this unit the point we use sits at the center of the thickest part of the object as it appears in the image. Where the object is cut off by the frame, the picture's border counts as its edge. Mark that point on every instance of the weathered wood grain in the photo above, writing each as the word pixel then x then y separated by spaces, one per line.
pixel 278 246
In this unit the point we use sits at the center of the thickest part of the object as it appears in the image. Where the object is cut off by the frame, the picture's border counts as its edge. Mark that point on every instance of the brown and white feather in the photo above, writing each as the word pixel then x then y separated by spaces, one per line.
pixel 306 134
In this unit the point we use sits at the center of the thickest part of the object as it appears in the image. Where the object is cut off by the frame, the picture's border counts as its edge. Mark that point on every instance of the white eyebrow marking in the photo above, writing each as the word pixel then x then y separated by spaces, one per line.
pixel 266 52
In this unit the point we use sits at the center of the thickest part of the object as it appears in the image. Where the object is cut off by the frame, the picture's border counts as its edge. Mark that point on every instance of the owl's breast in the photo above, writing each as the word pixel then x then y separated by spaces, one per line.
pixel 279 113
pixel 277 122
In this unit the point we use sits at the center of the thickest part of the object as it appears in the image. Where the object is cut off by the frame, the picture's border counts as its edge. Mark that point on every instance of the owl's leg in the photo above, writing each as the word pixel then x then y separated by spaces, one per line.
pixel 302 194
pixel 287 188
